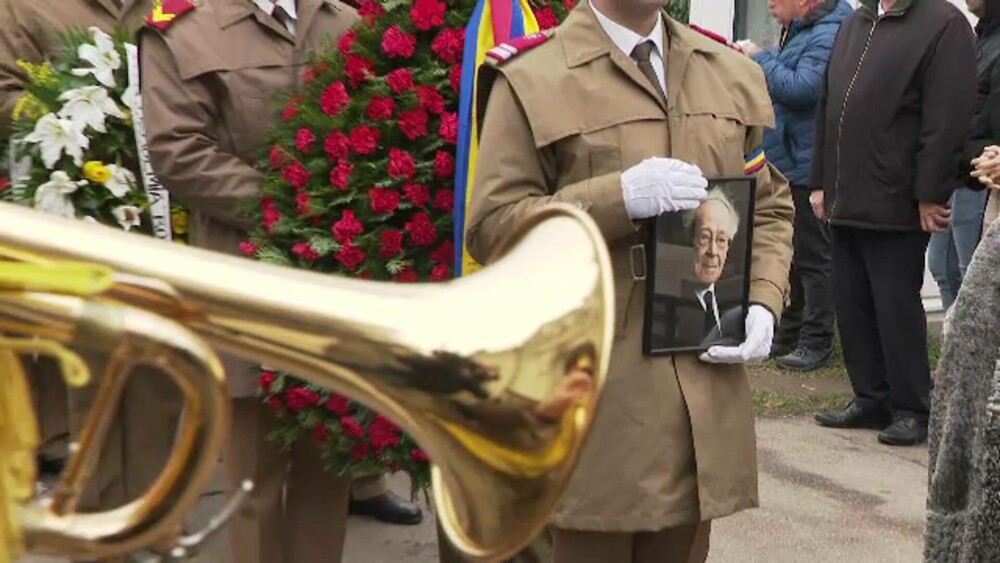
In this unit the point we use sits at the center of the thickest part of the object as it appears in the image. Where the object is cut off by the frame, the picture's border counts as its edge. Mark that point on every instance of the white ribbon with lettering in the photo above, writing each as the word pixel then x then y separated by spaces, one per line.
pixel 159 199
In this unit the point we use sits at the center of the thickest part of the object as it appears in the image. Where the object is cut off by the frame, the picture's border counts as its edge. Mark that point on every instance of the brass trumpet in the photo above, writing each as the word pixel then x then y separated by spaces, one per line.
pixel 496 375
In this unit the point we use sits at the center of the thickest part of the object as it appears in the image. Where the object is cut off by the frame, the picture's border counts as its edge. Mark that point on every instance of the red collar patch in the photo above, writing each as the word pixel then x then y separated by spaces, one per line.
pixel 165 12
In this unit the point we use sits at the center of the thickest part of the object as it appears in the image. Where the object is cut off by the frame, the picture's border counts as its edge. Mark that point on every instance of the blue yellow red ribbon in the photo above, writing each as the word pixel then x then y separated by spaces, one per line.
pixel 493 22
pixel 755 162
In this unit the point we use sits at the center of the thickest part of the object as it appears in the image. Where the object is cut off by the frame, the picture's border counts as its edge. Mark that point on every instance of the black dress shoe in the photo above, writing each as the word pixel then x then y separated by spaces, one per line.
pixel 854 416
pixel 806 359
pixel 388 508
pixel 904 431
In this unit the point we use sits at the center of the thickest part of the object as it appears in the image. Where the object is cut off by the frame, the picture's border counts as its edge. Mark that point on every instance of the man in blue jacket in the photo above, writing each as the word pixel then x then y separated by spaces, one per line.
pixel 795 73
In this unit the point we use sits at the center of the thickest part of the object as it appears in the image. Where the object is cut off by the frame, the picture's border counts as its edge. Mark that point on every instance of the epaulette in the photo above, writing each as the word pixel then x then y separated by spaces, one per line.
pixel 165 12
pixel 715 37
pixel 506 51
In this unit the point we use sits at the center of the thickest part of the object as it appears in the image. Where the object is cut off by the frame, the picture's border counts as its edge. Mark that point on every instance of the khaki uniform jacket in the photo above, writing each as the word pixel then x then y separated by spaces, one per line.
pixel 673 441
pixel 29 30
pixel 209 85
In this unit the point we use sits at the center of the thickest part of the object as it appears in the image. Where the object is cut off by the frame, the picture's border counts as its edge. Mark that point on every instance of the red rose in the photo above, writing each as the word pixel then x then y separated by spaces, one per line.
pixel 346 42
pixel 413 123
pixel 5 183
pixel 340 176
pixel 271 218
pixel 384 434
pixel 455 77
pixel 449 127
pixel 380 109
pixel 370 9
pixel 417 194
pixel 419 456
pixel 364 139
pixel 384 200
pixel 427 14
pixel 351 256
pixel 546 18
pixel 444 165
pixel 266 380
pixel 406 275
pixel 392 243
pixel 312 72
pixel 401 164
pixel 358 70
pixel 296 175
pixel 397 44
pixel 352 428
pixel 400 80
pixel 359 451
pixel 276 405
pixel 291 109
pixel 347 228
pixel 422 230
pixel 334 99
pixel 431 99
pixel 302 203
pixel 569 4
pixel 449 45
pixel 319 432
pixel 337 145
pixel 304 139
pixel 277 158
pixel 248 248
pixel 440 272
pixel 444 200
pixel 445 253
pixel 300 398
pixel 338 404
pixel 305 251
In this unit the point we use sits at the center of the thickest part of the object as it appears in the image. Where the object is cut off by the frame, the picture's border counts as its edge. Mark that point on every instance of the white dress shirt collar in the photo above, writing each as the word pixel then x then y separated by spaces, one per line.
pixel 267 6
pixel 626 40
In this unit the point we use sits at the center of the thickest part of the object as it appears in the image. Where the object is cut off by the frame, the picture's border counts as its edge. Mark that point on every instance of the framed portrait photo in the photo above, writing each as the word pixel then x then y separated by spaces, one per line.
pixel 698 271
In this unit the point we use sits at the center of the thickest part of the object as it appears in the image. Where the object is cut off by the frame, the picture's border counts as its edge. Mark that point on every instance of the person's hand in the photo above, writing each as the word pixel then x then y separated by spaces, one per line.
pixel 750 48
pixel 817 200
pixel 662 185
pixel 934 218
pixel 756 347
pixel 987 167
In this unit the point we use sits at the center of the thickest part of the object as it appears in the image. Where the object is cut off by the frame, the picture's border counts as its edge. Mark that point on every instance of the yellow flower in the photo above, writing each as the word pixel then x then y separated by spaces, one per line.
pixel 42 74
pixel 30 107
pixel 96 171
pixel 179 222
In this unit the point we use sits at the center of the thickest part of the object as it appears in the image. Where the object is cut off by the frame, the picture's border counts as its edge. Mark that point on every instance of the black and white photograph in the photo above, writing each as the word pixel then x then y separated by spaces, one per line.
pixel 699 271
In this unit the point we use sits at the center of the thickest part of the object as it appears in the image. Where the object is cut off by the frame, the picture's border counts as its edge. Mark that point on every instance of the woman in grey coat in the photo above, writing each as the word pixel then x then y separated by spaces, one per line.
pixel 963 517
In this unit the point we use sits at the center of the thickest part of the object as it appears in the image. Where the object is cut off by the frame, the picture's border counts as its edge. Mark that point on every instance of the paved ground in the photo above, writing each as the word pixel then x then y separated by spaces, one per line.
pixel 827 496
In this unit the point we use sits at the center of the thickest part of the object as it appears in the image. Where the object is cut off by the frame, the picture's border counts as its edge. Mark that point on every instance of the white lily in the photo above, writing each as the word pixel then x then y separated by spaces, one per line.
pixel 53 196
pixel 88 106
pixel 130 98
pixel 128 216
pixel 103 55
pixel 55 135
pixel 122 181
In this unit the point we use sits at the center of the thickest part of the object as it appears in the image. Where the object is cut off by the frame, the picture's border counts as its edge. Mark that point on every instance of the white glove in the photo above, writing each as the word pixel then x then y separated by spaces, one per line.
pixel 756 347
pixel 662 185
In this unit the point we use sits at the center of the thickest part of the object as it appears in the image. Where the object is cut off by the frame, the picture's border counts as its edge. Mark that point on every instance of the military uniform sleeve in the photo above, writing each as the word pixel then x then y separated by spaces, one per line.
pixel 15 45
pixel 772 233
pixel 513 178
pixel 180 118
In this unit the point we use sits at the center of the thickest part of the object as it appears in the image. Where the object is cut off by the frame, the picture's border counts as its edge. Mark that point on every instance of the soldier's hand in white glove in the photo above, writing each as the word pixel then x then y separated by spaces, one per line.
pixel 662 185
pixel 756 347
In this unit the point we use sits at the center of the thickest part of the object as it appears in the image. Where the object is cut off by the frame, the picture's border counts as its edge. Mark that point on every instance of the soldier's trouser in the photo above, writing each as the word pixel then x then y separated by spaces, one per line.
pixel 297 512
pixel 368 487
pixel 683 544
pixel 139 441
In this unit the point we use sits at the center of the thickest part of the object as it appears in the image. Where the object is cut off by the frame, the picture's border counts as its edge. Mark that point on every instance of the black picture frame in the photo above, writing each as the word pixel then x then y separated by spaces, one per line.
pixel 675 317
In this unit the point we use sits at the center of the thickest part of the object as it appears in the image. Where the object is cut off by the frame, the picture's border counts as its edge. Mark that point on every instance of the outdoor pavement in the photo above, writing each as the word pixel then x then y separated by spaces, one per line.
pixel 826 496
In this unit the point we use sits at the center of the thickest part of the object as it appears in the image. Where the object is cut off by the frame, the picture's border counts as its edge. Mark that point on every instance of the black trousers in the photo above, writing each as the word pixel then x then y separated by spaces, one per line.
pixel 808 320
pixel 877 279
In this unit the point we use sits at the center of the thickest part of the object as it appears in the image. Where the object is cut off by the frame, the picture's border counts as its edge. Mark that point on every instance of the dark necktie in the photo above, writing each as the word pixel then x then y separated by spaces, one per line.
pixel 641 54
pixel 282 16
pixel 709 321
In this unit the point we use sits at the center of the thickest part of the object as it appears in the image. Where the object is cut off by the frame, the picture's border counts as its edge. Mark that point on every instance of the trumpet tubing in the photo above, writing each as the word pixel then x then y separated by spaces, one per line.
pixel 496 375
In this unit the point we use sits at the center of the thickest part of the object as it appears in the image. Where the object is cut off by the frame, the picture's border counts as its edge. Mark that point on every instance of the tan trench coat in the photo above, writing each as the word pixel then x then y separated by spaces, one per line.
pixel 673 442
pixel 29 30
pixel 209 88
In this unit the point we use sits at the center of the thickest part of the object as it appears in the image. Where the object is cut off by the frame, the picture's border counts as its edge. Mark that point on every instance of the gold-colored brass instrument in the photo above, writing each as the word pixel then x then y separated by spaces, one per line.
pixel 496 375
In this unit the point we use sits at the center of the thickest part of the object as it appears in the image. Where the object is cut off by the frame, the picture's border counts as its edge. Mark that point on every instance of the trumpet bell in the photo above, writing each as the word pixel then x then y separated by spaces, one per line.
pixel 497 375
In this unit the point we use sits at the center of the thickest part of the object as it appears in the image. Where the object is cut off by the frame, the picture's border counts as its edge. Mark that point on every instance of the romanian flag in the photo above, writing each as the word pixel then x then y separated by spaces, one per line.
pixel 493 22
pixel 755 162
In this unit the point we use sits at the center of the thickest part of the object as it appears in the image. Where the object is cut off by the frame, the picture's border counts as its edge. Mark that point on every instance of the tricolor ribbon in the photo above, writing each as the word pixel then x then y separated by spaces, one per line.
pixel 755 162
pixel 494 22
